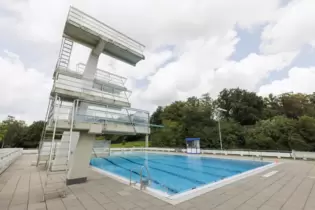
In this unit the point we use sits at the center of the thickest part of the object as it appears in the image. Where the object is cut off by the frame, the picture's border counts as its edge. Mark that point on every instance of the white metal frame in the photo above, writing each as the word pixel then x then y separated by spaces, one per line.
pixel 84 20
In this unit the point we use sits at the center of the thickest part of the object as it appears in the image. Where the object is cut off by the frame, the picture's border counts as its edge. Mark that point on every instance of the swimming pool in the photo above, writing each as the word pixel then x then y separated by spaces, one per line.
pixel 173 174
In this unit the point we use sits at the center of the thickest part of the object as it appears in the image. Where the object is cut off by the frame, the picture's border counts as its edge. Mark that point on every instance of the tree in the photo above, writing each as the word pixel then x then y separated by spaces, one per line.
pixel 3 131
pixel 242 106
pixel 156 117
pixel 32 134
pixel 306 129
pixel 295 105
pixel 14 134
pixel 272 107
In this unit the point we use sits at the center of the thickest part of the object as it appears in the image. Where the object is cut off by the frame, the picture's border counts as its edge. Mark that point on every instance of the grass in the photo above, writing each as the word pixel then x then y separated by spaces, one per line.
pixel 129 144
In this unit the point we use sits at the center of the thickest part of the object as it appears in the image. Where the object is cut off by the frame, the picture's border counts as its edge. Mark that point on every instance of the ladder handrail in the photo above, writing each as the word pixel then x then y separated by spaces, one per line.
pixel 149 176
pixel 57 98
pixel 43 131
pixel 94 152
pixel 141 175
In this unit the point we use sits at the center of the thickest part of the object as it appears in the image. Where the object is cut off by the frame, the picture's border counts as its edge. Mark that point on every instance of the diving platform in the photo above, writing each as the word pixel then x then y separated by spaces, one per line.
pixel 88 31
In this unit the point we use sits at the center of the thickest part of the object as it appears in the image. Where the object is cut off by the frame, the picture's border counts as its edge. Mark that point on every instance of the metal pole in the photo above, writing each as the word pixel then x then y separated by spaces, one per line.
pixel 146 140
pixel 54 131
pixel 71 129
pixel 220 134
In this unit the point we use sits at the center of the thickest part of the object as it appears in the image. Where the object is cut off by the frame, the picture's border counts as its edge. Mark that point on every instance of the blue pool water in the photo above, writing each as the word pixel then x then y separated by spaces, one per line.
pixel 173 173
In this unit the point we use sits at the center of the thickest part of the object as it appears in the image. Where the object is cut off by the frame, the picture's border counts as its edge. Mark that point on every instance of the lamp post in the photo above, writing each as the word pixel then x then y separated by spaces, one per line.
pixel 219 124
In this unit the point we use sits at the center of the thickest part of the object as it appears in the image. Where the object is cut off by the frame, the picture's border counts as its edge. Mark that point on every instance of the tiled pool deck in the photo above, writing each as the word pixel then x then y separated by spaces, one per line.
pixel 291 188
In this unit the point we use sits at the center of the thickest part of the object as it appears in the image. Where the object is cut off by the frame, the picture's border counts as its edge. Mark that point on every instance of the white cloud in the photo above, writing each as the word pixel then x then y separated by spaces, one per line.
pixel 299 80
pixel 208 69
pixel 248 72
pixel 293 28
pixel 24 92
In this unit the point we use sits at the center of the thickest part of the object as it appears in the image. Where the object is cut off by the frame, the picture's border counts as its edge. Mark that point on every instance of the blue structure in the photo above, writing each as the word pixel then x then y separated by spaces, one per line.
pixel 193 145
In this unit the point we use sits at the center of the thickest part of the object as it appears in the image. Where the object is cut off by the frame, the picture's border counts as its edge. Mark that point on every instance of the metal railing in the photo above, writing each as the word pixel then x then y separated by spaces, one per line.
pixel 82 19
pixel 254 154
pixel 139 118
pixel 103 75
pixel 86 87
pixel 143 182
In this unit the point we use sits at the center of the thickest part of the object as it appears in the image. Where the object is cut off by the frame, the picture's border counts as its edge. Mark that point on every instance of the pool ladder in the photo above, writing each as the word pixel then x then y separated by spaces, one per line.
pixel 143 182
pixel 259 157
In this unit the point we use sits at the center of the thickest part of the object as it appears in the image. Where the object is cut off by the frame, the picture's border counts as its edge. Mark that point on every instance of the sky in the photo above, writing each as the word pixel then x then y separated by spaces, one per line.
pixel 192 47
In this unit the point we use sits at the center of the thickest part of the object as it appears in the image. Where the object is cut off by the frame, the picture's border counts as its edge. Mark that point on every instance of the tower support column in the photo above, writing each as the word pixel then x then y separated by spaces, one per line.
pixel 80 159
pixel 91 65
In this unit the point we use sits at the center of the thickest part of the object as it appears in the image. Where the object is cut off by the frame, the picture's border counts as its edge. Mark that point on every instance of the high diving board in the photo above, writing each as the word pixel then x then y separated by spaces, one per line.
pixel 88 31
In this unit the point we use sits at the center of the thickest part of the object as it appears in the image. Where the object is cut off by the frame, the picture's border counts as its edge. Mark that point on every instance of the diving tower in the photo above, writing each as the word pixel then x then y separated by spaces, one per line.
pixel 87 101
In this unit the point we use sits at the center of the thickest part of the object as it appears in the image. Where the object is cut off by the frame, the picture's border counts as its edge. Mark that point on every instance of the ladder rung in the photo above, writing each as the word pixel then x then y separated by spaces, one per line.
pixel 64 62
pixel 64 58
pixel 68 43
pixel 68 40
pixel 66 47
pixel 66 52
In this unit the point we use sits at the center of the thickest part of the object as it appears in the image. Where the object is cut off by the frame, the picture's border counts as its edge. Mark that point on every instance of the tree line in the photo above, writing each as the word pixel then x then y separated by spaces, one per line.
pixel 16 133
pixel 283 122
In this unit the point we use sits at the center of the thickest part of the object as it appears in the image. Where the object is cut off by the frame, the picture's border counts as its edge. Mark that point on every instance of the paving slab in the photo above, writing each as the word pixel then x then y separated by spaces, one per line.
pixel 292 187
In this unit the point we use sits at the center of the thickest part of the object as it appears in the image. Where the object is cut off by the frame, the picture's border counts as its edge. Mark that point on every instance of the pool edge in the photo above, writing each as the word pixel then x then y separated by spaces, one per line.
pixel 187 195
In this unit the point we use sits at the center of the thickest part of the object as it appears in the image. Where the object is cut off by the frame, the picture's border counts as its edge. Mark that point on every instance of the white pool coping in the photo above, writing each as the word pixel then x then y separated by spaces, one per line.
pixel 187 195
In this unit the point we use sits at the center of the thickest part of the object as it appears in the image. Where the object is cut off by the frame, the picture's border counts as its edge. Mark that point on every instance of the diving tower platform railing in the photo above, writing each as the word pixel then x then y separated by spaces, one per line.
pixel 71 88
pixel 88 31
pixel 110 119
pixel 101 77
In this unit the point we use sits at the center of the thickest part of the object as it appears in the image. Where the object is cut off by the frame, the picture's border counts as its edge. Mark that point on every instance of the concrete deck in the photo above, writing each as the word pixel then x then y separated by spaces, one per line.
pixel 291 188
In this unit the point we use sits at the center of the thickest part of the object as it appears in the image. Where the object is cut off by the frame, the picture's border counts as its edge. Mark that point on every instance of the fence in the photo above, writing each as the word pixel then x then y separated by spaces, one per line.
pixel 272 154
pixel 8 156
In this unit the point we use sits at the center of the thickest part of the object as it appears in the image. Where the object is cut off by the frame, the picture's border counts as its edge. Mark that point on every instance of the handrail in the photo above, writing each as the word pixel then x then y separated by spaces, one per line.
pixel 81 66
pixel 102 29
pixel 141 176
pixel 81 89
pixel 94 152
pixel 149 176
pixel 44 130
pixel 57 98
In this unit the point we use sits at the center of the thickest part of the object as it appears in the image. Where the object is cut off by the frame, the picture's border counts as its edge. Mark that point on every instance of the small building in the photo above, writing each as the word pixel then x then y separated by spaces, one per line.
pixel 193 145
